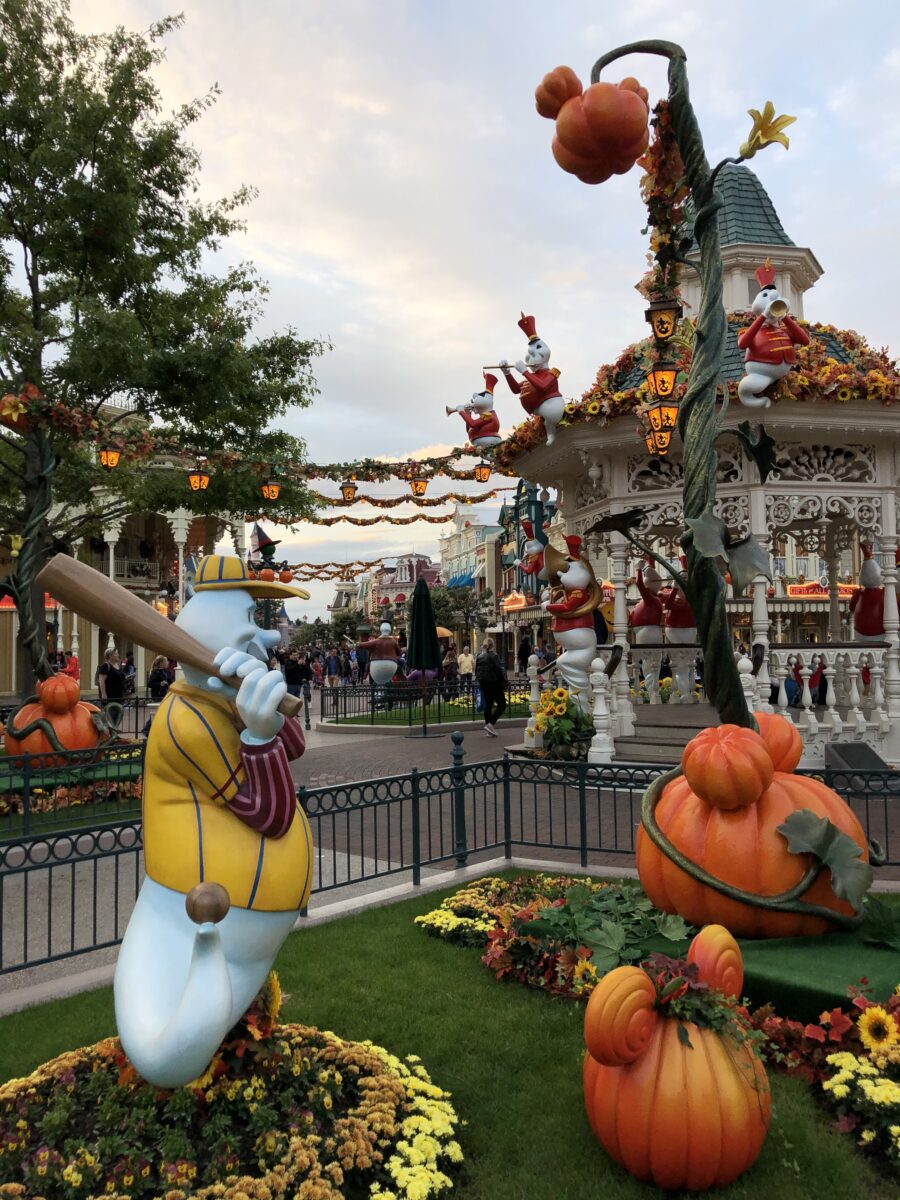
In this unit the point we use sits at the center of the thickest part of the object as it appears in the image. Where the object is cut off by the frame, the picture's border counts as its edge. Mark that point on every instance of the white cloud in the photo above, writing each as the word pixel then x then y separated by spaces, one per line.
pixel 409 205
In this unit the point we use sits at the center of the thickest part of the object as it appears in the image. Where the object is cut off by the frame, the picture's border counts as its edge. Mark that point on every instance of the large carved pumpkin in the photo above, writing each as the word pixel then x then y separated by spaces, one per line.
pixel 743 848
pixel 601 131
pixel 57 720
pixel 681 1116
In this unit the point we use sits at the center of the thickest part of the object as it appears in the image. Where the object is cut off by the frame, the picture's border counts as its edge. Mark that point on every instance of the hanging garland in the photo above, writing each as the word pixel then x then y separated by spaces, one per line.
pixel 370 470
pixel 357 564
pixel 420 501
pixel 437 520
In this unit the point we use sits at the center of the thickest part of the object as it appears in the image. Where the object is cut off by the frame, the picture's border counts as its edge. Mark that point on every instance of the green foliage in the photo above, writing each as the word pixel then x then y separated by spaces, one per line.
pixel 343 625
pixel 617 924
pixel 881 924
pixel 806 833
pixel 112 323
pixel 460 608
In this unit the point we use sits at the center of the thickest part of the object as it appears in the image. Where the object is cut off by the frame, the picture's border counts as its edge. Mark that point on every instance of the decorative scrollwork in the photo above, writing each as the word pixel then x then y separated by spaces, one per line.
pixel 735 512
pixel 824 464
pixel 654 474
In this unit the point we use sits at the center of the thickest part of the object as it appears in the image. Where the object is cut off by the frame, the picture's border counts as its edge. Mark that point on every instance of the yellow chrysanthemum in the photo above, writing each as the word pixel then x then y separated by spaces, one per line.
pixel 560 693
pixel 877 1029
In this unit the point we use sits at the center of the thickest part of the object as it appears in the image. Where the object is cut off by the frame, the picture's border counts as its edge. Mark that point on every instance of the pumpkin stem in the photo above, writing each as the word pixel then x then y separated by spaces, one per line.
pixel 40 723
pixel 788 901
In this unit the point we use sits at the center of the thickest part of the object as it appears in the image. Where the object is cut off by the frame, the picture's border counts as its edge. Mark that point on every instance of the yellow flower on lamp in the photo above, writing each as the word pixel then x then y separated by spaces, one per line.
pixel 767 128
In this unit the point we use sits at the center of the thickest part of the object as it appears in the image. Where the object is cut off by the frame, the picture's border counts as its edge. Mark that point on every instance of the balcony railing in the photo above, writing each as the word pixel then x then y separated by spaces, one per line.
pixel 132 572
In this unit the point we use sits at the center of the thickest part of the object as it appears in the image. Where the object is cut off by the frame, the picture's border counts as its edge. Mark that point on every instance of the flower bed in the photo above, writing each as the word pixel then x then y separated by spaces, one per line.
pixel 282 1110
pixel 557 933
pixel 852 1059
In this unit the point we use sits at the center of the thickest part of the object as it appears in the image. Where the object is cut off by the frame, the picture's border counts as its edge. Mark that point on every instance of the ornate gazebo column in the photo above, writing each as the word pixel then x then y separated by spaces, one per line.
pixel 888 547
pixel 760 623
pixel 619 552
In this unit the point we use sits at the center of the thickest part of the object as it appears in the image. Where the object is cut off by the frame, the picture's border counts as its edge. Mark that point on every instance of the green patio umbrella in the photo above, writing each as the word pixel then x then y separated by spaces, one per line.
pixel 423 651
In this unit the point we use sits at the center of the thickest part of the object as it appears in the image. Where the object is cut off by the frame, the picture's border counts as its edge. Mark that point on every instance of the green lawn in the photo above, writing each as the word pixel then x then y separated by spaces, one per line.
pixel 439 713
pixel 510 1056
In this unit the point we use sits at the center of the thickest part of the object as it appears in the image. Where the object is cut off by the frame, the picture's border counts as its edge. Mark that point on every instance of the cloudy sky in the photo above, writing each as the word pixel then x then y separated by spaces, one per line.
pixel 409 206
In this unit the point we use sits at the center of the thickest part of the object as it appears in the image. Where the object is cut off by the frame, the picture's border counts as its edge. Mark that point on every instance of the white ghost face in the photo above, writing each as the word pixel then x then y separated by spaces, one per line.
pixel 537 354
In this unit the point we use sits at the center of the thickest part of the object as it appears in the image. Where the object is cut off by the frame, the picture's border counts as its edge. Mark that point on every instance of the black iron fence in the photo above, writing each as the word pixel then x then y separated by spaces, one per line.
pixel 63 894
pixel 401 703
pixel 70 789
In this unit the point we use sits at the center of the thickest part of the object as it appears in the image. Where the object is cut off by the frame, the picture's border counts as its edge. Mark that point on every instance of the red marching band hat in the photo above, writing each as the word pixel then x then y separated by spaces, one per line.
pixel 765 275
pixel 490 382
pixel 573 543
pixel 527 325
pixel 528 528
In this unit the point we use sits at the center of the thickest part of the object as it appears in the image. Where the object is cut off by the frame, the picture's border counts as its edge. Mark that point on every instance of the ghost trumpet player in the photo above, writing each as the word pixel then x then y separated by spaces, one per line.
pixel 769 343
pixel 480 419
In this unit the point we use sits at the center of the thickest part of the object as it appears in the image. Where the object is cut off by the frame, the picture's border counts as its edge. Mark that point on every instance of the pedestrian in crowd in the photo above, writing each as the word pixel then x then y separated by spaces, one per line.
pixel 465 664
pixel 130 673
pixel 523 654
pixel 158 680
pixel 274 662
pixel 492 680
pixel 332 667
pixel 345 669
pixel 317 670
pixel 450 665
pixel 111 677
pixel 297 674
pixel 71 668
pixel 354 667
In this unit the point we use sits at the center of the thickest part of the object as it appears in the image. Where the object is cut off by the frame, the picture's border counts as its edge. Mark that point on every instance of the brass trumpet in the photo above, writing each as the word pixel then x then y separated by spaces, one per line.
pixel 459 408
pixel 776 309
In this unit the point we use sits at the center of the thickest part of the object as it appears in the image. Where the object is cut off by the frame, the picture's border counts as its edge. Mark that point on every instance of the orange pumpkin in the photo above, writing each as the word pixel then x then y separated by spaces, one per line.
pixel 619 1026
pixel 59 693
pixel 557 86
pixel 783 739
pixel 684 1117
pixel 286 576
pixel 743 848
pixel 718 958
pixel 266 574
pixel 728 766
pixel 69 718
pixel 602 131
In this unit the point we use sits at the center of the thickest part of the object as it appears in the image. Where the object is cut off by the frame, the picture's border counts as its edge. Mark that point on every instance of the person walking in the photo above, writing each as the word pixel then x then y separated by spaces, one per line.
pixel 492 680
pixel 523 654
pixel 332 668
pixel 158 680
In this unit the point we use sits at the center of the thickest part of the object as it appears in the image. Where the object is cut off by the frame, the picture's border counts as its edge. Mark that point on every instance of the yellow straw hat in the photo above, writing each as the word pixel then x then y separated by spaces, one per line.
pixel 224 572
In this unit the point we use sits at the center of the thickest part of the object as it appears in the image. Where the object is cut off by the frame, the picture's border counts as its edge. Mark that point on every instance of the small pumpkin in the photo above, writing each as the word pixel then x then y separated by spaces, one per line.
pixel 619 1025
pixel 557 86
pixel 70 728
pixel 266 574
pixel 684 1114
pixel 718 958
pixel 783 739
pixel 59 693
pixel 602 132
pixel 743 848
pixel 728 766
pixel 286 576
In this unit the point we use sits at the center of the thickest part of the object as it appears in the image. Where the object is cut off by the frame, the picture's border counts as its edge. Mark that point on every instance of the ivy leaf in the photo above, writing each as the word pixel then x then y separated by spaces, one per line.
pixel 882 922
pixel 710 534
pixel 806 833
pixel 746 560
pixel 672 927
pixel 618 522
pixel 759 445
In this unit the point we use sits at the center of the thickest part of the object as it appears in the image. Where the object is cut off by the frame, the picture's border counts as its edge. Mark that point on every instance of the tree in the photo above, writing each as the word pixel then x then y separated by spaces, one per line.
pixel 460 607
pixel 344 623
pixel 113 329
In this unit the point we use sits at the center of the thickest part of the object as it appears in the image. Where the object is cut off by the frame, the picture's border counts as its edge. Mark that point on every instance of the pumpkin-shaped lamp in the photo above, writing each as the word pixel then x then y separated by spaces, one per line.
pixel 684 1107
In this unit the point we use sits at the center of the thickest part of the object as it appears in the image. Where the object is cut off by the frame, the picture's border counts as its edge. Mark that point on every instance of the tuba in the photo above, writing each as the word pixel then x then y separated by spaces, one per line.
pixel 554 560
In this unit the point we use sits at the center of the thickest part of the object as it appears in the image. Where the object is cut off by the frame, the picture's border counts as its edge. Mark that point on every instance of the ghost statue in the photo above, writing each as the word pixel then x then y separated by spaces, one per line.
pixel 478 413
pixel 574 599
pixel 769 342
pixel 867 604
pixel 384 655
pixel 539 390
pixel 227 848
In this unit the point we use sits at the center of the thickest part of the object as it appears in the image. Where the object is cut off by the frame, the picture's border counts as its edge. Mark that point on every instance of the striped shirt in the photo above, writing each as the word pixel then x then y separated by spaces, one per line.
pixel 218 810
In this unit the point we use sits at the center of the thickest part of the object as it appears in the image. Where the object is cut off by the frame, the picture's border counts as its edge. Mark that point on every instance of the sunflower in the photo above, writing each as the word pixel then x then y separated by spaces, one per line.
pixel 844 394
pixel 547 700
pixel 570 409
pixel 559 710
pixel 593 408
pixel 877 1029
pixel 560 694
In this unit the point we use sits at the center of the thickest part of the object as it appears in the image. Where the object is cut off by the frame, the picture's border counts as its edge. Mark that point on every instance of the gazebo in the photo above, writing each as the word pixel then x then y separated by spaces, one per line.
pixel 833 485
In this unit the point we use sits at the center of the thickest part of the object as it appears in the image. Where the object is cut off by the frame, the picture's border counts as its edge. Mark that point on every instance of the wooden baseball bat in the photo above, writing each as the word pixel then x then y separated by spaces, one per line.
pixel 107 604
